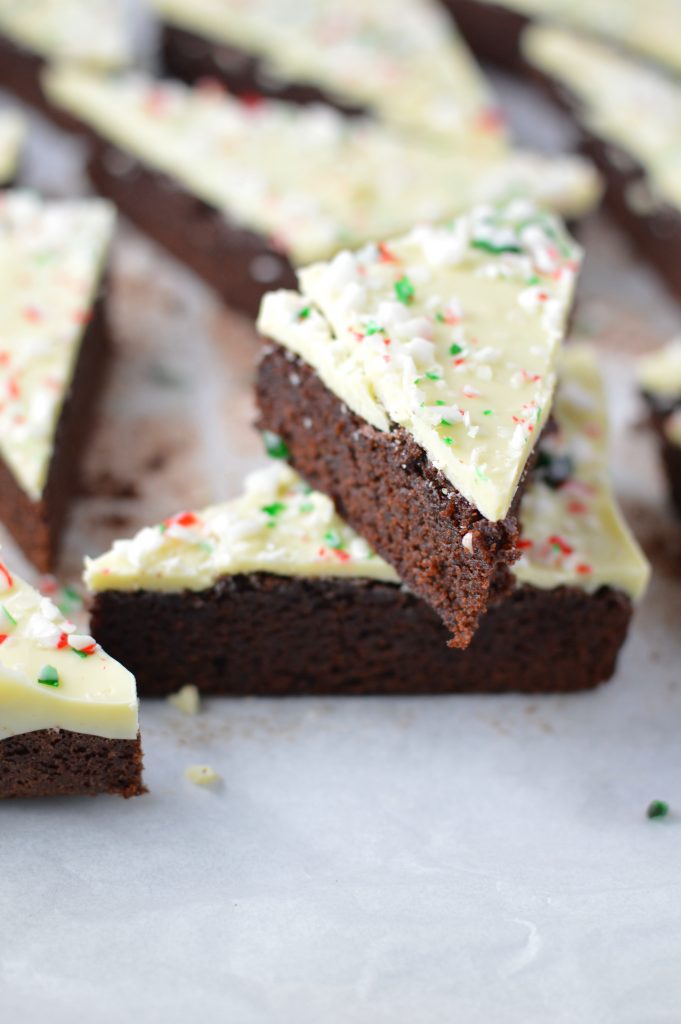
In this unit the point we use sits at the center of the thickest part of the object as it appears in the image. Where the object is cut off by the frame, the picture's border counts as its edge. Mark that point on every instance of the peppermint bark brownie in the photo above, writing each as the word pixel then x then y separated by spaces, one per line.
pixel 629 117
pixel 244 193
pixel 408 68
pixel 68 712
pixel 410 382
pixel 660 380
pixel 11 138
pixel 273 594
pixel 90 33
pixel 54 343
pixel 493 28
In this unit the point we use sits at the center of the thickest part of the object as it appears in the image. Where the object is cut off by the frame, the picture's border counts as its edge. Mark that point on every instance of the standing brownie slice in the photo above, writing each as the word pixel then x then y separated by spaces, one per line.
pixel 273 594
pixel 35 33
pixel 660 380
pixel 11 138
pixel 68 712
pixel 246 193
pixel 493 27
pixel 410 382
pixel 629 116
pixel 53 344
pixel 408 66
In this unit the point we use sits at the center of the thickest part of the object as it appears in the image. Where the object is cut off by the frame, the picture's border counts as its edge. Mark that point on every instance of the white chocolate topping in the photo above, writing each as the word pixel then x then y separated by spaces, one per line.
pixel 660 372
pixel 52 256
pixel 11 138
pixel 621 101
pixel 52 677
pixel 647 27
pixel 307 178
pixel 406 63
pixel 451 332
pixel 279 525
pixel 89 32
pixel 573 535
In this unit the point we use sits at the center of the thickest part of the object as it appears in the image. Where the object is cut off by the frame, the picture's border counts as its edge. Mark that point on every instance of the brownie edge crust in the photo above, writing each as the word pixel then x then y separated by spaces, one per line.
pixel 274 636
pixel 385 487
pixel 55 762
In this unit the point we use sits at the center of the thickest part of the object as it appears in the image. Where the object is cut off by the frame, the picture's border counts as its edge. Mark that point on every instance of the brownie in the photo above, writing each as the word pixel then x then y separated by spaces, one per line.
pixel 21 73
pixel 385 487
pixel 239 264
pixel 491 30
pixel 265 635
pixel 55 762
pixel 191 57
pixel 37 525
pixel 655 228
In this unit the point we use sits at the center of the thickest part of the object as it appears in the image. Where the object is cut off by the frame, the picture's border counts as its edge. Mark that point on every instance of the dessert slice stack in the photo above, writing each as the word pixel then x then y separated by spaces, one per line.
pixel 272 594
pixel 53 343
pixel 411 380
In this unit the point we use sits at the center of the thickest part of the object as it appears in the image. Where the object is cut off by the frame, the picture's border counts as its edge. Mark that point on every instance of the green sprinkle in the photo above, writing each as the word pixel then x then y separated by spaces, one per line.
pixel 48 676
pixel 304 313
pixel 433 375
pixel 657 809
pixel 480 243
pixel 418 380
pixel 404 290
pixel 448 440
pixel 440 317
pixel 481 476
pixel 533 280
pixel 162 527
pixel 334 540
pixel 275 446
pixel 487 412
pixel 307 506
pixel 455 350
pixel 440 401
pixel 273 510
pixel 373 328
pixel 445 423
pixel 81 654
pixel 9 616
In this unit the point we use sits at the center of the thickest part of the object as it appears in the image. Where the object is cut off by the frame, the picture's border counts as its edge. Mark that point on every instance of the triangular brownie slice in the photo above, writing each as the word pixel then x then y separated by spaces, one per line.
pixel 53 343
pixel 246 193
pixel 273 594
pixel 407 66
pixel 89 33
pixel 410 382
pixel 68 712
pixel 11 137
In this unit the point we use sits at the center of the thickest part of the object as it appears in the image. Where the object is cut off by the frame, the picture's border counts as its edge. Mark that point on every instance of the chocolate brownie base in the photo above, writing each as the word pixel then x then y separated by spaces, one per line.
pixel 491 30
pixel 20 73
pixel 238 263
pixel 37 525
pixel 385 487
pixel 653 225
pixel 54 762
pixel 275 636
pixel 192 57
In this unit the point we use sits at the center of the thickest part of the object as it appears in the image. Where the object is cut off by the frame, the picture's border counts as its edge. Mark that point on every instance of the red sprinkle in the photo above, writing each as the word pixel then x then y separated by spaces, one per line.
pixel 577 508
pixel 63 641
pixel 561 544
pixel 583 569
pixel 252 100
pixel 5 572
pixel 3 637
pixel 523 544
pixel 386 255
